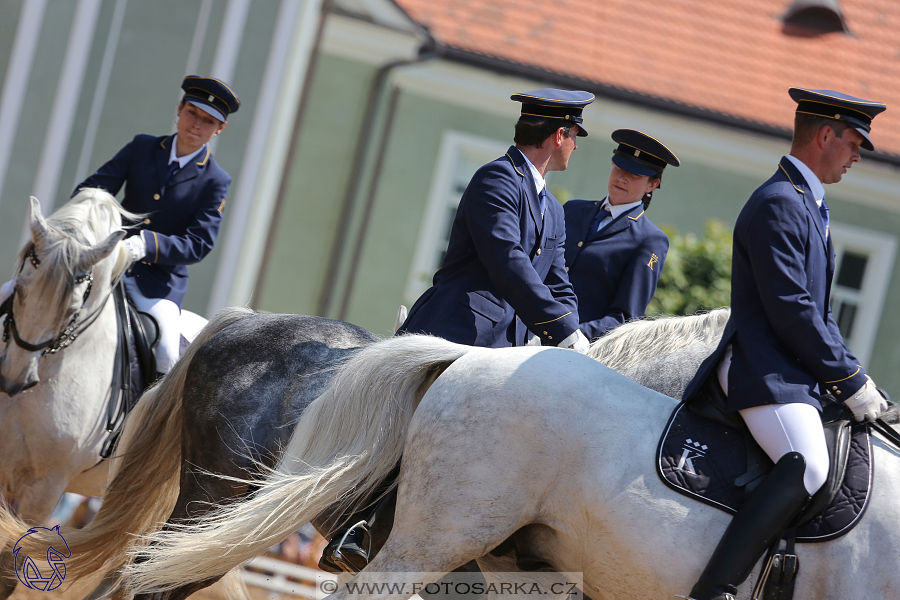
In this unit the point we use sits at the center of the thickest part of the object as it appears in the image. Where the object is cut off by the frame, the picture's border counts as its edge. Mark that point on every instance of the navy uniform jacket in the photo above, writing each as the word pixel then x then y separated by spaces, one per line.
pixel 182 218
pixel 504 270
pixel 615 271
pixel 784 338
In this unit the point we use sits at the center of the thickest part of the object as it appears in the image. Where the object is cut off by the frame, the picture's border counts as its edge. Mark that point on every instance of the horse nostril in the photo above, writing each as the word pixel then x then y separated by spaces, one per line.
pixel 10 389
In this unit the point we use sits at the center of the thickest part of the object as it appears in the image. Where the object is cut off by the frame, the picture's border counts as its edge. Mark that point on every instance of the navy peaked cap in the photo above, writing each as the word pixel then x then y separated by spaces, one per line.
pixel 211 96
pixel 562 105
pixel 835 105
pixel 641 154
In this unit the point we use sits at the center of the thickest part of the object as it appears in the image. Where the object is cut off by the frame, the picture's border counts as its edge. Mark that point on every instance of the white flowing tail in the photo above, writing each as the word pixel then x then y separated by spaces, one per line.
pixel 346 443
pixel 145 485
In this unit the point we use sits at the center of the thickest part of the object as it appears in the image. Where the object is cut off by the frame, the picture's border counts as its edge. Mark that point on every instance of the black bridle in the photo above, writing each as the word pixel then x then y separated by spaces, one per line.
pixel 73 329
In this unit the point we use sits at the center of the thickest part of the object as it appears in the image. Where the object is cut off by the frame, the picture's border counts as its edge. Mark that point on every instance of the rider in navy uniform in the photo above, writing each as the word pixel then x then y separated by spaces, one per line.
pixel 504 271
pixel 781 348
pixel 180 188
pixel 614 254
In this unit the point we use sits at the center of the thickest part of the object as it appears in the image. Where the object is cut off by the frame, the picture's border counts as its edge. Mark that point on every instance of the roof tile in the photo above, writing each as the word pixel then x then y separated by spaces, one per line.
pixel 733 58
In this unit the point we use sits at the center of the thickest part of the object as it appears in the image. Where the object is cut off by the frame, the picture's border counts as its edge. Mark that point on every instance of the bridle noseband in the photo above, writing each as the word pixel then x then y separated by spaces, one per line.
pixel 72 330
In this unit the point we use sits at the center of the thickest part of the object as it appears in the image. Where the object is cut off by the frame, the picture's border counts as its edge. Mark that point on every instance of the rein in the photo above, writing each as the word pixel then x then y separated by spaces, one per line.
pixel 887 431
pixel 885 428
pixel 879 425
pixel 72 330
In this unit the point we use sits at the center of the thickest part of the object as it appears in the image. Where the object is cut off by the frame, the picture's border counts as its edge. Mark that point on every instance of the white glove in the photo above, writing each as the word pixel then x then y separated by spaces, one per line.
pixel 402 313
pixel 535 341
pixel 136 247
pixel 576 342
pixel 867 404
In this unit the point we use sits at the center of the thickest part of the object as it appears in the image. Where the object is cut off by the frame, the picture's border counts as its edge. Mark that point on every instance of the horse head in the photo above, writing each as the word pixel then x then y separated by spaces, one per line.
pixel 52 289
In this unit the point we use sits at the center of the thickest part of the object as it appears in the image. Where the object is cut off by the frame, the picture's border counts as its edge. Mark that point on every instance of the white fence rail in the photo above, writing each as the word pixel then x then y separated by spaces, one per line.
pixel 280 577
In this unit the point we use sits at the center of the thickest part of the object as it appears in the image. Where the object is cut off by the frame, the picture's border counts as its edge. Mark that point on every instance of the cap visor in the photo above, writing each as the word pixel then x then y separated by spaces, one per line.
pixel 582 132
pixel 867 144
pixel 208 109
pixel 632 167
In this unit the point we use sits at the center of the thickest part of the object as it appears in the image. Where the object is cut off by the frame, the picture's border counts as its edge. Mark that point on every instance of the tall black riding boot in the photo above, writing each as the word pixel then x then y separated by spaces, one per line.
pixel 758 523
pixel 350 548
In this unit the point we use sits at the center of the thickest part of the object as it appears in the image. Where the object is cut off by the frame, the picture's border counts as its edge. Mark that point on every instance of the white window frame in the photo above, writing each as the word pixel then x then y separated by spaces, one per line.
pixel 436 219
pixel 881 249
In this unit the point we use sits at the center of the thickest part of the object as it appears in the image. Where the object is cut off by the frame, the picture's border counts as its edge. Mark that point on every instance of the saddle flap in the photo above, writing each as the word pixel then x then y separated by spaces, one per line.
pixel 151 328
pixel 837 438
pixel 145 331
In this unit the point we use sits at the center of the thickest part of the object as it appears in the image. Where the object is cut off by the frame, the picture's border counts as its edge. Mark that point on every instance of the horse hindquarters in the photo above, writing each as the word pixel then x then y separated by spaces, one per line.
pixel 547 460
pixel 457 502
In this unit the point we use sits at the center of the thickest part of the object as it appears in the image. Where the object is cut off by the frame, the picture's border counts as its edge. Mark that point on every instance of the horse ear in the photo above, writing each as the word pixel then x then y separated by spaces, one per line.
pixel 38 224
pixel 95 254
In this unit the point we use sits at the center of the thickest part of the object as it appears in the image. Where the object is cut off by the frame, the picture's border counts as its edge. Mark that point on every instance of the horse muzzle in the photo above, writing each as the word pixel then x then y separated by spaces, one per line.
pixel 17 378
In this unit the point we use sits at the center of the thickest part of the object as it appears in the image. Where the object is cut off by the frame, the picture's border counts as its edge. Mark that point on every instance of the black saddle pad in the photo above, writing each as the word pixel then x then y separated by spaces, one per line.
pixel 702 460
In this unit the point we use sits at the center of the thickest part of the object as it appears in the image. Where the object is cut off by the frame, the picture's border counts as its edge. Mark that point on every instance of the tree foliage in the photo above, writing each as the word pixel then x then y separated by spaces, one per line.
pixel 697 272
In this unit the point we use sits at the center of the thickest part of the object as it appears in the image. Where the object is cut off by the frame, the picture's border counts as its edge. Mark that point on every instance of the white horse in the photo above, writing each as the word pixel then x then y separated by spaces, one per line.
pixel 56 370
pixel 542 447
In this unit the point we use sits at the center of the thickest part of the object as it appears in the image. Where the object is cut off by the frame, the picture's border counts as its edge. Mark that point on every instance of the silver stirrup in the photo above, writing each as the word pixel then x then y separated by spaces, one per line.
pixel 338 558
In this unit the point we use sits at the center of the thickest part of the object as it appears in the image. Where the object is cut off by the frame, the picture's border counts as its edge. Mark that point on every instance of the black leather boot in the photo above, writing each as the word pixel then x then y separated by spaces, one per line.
pixel 349 550
pixel 761 520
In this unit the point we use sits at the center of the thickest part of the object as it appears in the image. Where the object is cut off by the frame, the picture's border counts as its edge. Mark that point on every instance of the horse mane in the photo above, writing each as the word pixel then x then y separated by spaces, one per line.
pixel 628 344
pixel 892 414
pixel 85 220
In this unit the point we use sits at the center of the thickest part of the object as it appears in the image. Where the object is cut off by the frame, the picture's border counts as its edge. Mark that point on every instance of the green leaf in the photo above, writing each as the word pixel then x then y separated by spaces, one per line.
pixel 697 272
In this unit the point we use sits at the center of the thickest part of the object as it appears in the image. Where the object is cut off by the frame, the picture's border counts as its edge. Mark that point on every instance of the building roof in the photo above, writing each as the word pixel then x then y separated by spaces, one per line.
pixel 730 61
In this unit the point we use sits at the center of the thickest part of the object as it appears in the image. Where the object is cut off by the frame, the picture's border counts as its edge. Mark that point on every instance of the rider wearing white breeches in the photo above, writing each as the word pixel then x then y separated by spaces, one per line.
pixel 165 312
pixel 781 349
pixel 176 186
pixel 783 428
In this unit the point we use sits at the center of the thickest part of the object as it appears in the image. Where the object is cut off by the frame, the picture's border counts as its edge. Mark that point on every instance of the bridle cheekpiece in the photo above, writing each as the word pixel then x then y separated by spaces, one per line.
pixel 72 330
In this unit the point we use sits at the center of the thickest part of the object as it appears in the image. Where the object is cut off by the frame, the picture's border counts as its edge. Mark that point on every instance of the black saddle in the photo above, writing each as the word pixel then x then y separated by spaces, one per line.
pixel 708 454
pixel 135 364
pixel 145 333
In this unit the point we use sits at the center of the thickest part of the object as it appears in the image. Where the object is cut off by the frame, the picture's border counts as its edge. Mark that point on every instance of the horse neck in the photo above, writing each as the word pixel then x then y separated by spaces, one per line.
pixel 662 354
pixel 670 374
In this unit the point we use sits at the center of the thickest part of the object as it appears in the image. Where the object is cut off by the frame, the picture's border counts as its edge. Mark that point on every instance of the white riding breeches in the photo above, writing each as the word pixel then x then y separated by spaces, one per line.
pixel 168 315
pixel 783 428
pixel 794 427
